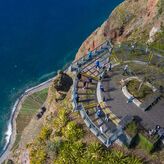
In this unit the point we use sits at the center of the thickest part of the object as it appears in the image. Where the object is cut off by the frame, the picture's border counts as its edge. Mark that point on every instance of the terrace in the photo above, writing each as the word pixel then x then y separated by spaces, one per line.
pixel 102 90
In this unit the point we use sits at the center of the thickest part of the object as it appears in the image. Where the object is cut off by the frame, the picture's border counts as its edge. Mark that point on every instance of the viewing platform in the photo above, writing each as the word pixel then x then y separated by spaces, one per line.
pixel 97 93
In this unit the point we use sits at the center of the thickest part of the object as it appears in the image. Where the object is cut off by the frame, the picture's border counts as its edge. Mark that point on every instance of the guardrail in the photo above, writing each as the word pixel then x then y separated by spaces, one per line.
pixel 103 57
pixel 83 60
pixel 96 48
pixel 106 140
pixel 74 94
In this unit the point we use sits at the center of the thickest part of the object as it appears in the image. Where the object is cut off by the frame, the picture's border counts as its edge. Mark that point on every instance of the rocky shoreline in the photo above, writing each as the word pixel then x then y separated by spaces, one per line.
pixel 16 108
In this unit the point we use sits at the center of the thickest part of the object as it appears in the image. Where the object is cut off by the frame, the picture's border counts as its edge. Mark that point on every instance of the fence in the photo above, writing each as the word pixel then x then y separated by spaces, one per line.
pixel 106 140
pixel 76 65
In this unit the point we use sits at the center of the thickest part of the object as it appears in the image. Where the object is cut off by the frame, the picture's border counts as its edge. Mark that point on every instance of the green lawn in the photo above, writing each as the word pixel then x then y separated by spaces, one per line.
pixel 29 109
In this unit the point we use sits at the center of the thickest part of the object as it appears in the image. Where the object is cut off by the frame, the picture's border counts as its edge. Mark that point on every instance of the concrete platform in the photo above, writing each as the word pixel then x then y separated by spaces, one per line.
pixel 118 105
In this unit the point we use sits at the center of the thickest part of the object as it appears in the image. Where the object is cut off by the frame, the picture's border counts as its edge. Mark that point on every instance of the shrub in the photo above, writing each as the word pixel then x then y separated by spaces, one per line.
pixel 72 131
pixel 93 152
pixel 132 128
pixel 45 133
pixel 61 119
pixel 37 156
pixel 145 144
pixel 53 147
pixel 70 152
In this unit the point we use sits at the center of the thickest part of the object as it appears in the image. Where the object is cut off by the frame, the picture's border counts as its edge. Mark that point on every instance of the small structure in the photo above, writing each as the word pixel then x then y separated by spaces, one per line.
pixel 41 112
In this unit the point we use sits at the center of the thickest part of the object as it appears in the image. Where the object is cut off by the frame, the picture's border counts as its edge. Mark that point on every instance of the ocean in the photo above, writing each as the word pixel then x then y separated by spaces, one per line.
pixel 36 39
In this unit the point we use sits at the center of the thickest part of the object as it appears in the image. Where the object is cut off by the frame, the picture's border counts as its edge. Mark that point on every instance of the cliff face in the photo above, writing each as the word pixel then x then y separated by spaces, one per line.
pixel 132 20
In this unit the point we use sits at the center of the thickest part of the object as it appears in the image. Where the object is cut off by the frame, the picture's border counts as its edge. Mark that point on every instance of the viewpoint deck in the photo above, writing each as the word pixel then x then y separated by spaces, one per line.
pixel 105 90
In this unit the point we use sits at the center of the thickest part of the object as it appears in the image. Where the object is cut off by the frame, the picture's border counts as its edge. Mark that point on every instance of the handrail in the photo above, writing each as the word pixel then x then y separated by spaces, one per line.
pixel 105 55
pixel 110 138
pixel 75 105
pixel 91 122
pixel 106 41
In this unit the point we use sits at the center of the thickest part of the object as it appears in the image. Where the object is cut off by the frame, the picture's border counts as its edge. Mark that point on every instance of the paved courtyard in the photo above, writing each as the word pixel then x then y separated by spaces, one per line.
pixel 118 105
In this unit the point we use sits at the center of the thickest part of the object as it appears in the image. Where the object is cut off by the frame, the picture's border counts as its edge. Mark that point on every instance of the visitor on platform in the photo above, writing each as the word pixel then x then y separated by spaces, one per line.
pixel 107 117
pixel 89 54
pixel 110 66
pixel 79 76
pixel 125 70
pixel 90 80
pixel 84 84
pixel 98 107
pixel 97 64
pixel 102 88
pixel 130 100
pixel 104 99
pixel 99 113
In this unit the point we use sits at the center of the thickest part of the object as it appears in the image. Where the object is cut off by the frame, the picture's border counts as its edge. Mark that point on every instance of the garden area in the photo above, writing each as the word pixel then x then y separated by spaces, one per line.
pixel 138 90
pixel 140 139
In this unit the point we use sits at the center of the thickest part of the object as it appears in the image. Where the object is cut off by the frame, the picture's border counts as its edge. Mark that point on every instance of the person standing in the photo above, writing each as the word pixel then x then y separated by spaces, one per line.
pixel 79 76
pixel 102 88
pixel 110 66
pixel 125 70
pixel 97 64
pixel 107 117
pixel 89 54
pixel 84 84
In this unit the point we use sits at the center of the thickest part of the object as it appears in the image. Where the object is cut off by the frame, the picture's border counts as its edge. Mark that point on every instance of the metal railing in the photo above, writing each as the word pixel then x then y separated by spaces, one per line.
pixel 107 140
pixel 85 60
pixel 94 50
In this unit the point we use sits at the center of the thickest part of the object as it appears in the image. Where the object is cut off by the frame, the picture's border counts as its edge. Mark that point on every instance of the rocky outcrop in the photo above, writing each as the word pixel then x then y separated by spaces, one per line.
pixel 62 82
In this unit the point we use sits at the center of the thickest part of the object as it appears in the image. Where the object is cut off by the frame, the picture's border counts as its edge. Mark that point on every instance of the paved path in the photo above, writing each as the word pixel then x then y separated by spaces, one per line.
pixel 119 106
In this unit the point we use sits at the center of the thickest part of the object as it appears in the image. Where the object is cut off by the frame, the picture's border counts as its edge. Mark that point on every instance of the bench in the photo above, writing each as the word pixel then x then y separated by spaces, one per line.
pixel 150 101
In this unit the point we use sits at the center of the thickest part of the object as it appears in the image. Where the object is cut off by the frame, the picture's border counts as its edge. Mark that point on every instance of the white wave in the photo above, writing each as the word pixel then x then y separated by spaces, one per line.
pixel 8 133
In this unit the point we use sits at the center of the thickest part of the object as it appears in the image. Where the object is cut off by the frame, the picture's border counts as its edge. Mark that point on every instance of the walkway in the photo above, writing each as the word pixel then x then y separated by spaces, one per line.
pixel 118 105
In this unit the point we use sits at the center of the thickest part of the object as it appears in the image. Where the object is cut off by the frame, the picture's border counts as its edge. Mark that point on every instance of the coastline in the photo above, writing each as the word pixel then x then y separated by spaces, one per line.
pixel 11 129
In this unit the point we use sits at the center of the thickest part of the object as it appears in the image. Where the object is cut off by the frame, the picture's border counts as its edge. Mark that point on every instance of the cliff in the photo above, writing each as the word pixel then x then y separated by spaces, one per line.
pixel 133 20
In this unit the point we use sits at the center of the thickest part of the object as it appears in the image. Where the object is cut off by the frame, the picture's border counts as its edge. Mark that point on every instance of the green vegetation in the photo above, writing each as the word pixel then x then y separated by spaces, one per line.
pixel 94 153
pixel 45 134
pixel 132 129
pixel 133 86
pixel 158 43
pixel 29 108
pixel 72 131
pixel 145 144
pixel 63 140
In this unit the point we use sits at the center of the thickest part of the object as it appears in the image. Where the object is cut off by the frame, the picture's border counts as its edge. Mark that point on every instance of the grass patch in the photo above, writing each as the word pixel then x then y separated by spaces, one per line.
pixel 133 86
pixel 145 143
pixel 29 108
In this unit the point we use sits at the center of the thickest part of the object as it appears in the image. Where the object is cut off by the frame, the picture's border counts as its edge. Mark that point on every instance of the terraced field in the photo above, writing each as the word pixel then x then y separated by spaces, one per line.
pixel 30 107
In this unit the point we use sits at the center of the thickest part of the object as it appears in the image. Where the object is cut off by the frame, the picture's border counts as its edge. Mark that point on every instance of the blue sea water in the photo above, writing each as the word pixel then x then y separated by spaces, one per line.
pixel 37 38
